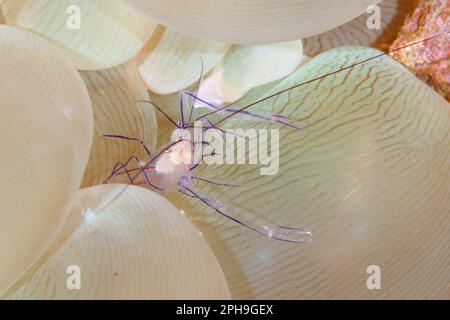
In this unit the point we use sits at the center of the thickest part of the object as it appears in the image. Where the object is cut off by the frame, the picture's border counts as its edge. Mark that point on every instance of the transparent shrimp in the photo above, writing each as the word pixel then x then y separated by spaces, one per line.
pixel 174 166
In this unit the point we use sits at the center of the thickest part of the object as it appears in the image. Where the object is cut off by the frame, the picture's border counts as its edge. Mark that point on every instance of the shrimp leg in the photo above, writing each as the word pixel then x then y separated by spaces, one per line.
pixel 124 166
pixel 255 115
pixel 120 166
pixel 249 219
pixel 142 143
pixel 215 182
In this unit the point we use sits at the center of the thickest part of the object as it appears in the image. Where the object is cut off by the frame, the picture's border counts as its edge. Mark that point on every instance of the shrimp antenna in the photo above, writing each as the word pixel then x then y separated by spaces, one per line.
pixel 196 92
pixel 160 110
pixel 315 79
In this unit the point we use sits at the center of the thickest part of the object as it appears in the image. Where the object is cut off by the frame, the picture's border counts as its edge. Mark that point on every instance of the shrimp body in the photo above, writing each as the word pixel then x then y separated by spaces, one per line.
pixel 173 169
pixel 175 163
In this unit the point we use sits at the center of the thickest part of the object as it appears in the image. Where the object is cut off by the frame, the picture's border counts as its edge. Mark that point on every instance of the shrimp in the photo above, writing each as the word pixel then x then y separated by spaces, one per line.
pixel 174 166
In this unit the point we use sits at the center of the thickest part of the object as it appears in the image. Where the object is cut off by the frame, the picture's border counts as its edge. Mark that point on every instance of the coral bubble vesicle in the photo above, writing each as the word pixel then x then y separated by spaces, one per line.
pixel 46 131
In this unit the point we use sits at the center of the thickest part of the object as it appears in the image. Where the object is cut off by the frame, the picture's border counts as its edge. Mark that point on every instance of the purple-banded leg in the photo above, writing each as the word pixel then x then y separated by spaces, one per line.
pixel 203 156
pixel 142 143
pixel 184 103
pixel 120 166
pixel 215 182
pixel 249 219
pixel 209 105
pixel 192 105
pixel 124 166
pixel 183 124
pixel 259 115
pixel 212 126
pixel 256 115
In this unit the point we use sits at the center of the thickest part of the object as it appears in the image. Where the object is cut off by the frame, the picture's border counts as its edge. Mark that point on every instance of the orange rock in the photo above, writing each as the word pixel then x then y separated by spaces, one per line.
pixel 429 60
